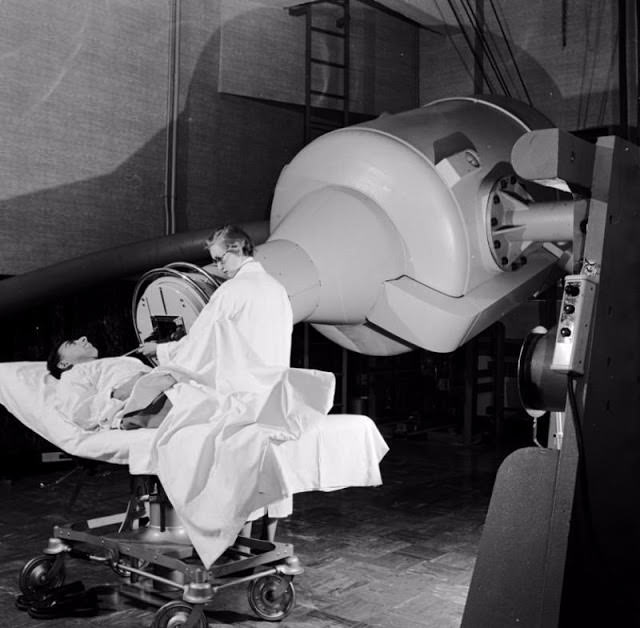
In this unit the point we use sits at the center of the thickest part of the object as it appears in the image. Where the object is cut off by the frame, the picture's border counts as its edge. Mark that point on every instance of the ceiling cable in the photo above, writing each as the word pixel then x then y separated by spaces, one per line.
pixel 513 58
pixel 498 51
pixel 447 30
pixel 479 31
pixel 471 48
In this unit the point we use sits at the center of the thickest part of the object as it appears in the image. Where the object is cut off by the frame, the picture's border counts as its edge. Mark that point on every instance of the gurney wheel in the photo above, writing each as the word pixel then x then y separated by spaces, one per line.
pixel 272 597
pixel 175 615
pixel 37 575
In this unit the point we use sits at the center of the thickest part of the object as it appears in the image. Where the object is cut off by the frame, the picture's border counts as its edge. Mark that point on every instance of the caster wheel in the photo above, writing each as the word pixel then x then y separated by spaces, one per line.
pixel 175 615
pixel 38 575
pixel 272 597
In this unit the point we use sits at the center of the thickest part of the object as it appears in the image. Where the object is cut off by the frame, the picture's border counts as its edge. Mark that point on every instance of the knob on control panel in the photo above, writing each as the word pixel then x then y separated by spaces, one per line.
pixel 573 328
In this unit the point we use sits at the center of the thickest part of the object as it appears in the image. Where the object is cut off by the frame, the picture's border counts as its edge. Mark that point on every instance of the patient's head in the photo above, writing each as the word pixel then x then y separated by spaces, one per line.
pixel 68 353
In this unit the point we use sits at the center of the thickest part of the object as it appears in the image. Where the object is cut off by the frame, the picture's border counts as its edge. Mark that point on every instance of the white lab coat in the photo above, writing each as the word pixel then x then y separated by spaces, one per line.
pixel 84 393
pixel 247 323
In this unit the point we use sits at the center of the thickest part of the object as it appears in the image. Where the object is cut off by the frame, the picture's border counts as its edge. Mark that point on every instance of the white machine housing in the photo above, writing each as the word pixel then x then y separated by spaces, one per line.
pixel 407 231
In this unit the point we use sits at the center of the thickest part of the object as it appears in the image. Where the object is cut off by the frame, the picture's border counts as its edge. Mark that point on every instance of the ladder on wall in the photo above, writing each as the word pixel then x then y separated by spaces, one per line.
pixel 484 373
pixel 331 28
pixel 327 22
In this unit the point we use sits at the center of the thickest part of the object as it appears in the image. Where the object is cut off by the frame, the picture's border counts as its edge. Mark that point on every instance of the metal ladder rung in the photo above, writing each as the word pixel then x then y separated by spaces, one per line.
pixel 316 92
pixel 299 9
pixel 320 119
pixel 327 126
pixel 326 31
pixel 332 64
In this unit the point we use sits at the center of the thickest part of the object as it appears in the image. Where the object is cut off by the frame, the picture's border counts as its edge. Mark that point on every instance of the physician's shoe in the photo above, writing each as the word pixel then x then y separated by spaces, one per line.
pixel 25 600
pixel 82 604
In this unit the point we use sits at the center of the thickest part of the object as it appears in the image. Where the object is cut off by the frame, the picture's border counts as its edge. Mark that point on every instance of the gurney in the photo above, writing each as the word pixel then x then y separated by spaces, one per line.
pixel 146 544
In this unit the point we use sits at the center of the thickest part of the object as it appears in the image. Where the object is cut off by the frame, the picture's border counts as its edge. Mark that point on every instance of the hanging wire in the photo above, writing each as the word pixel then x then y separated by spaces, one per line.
pixel 453 43
pixel 479 31
pixel 513 58
pixel 498 48
pixel 605 92
pixel 590 72
pixel 173 94
pixel 602 110
pixel 583 92
pixel 623 93
pixel 471 48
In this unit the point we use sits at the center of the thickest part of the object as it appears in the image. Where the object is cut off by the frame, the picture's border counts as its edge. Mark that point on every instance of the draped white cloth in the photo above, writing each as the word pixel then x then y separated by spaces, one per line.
pixel 210 450
pixel 247 323
pixel 219 456
pixel 84 394
pixel 29 392
pixel 235 396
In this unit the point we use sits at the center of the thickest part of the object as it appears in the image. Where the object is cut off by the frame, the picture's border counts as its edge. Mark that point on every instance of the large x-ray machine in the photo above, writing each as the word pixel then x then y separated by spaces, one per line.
pixel 420 230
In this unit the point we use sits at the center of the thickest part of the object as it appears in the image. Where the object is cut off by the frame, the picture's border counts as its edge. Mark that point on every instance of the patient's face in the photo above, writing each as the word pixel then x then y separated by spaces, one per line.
pixel 75 351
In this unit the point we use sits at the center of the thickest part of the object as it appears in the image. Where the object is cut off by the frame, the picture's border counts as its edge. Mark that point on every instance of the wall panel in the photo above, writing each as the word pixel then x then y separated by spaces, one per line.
pixel 231 148
pixel 82 105
pixel 263 56
pixel 84 129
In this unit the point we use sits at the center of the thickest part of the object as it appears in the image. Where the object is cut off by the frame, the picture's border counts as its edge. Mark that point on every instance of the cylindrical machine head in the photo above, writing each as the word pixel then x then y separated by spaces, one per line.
pixel 389 224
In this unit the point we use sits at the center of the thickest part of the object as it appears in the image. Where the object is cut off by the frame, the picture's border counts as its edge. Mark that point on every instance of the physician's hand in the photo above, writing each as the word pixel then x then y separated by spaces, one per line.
pixel 148 349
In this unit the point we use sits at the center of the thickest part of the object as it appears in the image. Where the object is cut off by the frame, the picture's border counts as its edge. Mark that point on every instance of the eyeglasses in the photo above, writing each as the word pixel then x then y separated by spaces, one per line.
pixel 216 260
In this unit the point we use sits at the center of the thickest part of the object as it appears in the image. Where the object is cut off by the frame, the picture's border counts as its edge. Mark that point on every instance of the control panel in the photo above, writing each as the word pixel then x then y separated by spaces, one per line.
pixel 574 324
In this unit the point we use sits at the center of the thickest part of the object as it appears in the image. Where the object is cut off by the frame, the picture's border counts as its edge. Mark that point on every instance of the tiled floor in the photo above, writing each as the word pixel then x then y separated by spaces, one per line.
pixel 396 556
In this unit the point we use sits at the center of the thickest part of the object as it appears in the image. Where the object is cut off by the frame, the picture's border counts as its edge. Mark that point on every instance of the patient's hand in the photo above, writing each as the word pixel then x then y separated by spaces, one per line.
pixel 123 392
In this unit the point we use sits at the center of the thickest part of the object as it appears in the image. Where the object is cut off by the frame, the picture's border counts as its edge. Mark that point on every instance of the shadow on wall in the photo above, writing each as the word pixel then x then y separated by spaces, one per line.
pixel 453 72
pixel 230 153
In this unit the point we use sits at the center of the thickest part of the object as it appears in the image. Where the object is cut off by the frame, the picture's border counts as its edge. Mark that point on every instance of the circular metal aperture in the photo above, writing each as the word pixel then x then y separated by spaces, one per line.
pixel 509 254
pixel 167 300
pixel 541 389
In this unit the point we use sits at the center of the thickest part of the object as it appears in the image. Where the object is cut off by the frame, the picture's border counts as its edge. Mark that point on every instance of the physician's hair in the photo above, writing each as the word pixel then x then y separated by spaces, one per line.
pixel 232 237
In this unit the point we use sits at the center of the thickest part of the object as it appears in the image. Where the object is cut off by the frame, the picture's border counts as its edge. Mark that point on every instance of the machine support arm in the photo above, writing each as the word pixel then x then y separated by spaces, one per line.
pixel 549 155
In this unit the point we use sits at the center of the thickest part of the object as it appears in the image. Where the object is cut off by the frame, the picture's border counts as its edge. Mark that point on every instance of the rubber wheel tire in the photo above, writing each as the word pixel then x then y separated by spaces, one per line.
pixel 175 615
pixel 272 597
pixel 34 577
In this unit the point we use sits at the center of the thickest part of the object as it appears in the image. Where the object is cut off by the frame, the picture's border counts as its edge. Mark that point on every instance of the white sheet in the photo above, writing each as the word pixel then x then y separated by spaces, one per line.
pixel 219 457
pixel 27 390
pixel 213 450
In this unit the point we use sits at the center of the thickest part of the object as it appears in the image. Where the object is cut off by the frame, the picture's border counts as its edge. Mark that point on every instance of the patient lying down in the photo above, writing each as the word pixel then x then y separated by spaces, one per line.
pixel 93 392
pixel 218 452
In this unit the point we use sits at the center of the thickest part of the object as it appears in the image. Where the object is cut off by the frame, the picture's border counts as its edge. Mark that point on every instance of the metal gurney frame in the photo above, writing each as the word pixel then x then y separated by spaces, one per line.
pixel 160 566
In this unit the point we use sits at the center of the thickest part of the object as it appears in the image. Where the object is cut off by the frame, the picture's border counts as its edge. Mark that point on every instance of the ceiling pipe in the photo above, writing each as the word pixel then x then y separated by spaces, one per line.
pixel 622 68
pixel 71 276
pixel 173 102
